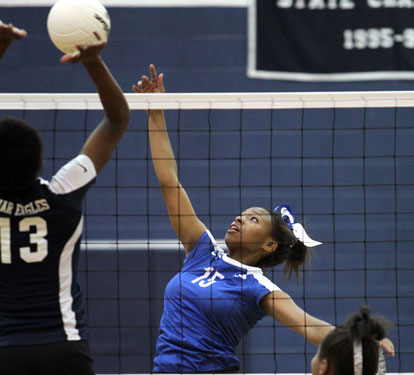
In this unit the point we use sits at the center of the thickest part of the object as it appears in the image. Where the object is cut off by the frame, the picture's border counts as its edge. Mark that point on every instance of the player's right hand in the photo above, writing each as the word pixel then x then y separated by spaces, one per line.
pixel 84 54
pixel 8 33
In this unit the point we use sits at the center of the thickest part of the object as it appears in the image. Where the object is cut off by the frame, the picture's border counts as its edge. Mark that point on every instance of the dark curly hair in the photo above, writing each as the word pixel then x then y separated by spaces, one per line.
pixel 20 155
pixel 338 346
pixel 289 249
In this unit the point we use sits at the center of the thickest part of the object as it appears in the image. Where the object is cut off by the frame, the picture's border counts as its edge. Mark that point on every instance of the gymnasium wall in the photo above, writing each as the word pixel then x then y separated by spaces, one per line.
pixel 204 49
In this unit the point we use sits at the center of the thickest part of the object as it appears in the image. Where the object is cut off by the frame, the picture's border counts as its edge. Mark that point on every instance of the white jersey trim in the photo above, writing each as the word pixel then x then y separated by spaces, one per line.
pixel 65 286
pixel 73 175
pixel 263 280
pixel 256 272
pixel 236 263
pixel 219 252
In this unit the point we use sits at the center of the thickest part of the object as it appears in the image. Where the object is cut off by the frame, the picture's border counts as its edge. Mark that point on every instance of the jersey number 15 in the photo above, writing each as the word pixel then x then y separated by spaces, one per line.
pixel 37 238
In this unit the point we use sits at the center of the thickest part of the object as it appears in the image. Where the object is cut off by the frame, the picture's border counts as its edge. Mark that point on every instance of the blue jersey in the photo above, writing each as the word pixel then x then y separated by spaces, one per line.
pixel 40 231
pixel 208 307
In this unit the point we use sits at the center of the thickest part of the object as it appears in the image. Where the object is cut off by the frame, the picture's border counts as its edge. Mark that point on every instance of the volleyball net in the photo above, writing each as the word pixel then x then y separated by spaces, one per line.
pixel 342 160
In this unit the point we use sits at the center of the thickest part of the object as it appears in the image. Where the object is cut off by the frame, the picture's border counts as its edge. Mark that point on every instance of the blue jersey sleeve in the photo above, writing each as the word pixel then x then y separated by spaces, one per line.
pixel 261 286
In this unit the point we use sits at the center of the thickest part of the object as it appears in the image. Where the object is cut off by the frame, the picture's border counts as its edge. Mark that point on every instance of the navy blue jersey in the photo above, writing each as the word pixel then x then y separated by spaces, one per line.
pixel 208 307
pixel 40 232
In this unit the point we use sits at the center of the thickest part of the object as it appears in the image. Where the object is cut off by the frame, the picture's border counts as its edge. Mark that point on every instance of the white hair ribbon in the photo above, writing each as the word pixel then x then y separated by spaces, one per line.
pixel 297 228
pixel 357 357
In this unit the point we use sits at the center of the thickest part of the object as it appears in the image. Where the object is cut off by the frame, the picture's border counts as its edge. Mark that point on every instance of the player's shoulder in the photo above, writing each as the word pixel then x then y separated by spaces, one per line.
pixel 260 280
pixel 205 247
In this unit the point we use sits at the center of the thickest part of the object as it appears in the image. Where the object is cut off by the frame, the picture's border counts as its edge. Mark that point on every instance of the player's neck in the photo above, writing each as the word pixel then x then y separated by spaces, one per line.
pixel 244 257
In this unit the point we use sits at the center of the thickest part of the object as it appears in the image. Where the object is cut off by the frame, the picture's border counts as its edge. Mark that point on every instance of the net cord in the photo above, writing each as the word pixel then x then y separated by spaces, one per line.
pixel 266 100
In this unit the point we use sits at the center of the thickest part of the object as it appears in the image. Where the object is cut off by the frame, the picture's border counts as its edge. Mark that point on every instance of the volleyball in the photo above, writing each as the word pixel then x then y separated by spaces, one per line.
pixel 77 22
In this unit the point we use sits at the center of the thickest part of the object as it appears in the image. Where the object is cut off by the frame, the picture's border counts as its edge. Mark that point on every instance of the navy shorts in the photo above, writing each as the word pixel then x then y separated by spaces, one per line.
pixel 63 358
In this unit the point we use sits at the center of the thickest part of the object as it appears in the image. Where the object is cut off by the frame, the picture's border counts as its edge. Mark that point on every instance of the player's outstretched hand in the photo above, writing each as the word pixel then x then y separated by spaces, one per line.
pixel 8 33
pixel 84 54
pixel 388 346
pixel 147 86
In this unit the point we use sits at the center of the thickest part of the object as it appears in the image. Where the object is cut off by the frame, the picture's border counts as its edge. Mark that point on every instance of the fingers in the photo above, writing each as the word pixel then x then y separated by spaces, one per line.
pixel 73 58
pixel 161 81
pixel 19 33
pixel 84 53
pixel 145 80
pixel 9 31
pixel 153 72
pixel 388 346
pixel 91 48
pixel 147 85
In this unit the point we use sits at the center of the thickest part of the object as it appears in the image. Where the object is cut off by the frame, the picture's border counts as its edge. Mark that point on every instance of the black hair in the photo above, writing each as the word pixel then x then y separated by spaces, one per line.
pixel 289 249
pixel 20 154
pixel 338 346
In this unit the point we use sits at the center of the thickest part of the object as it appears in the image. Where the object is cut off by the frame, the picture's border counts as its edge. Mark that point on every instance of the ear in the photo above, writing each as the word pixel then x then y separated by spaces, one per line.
pixel 323 366
pixel 269 246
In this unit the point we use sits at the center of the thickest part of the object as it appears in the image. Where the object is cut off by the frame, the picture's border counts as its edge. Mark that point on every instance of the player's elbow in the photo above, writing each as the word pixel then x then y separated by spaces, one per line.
pixel 169 181
pixel 123 118
pixel 119 121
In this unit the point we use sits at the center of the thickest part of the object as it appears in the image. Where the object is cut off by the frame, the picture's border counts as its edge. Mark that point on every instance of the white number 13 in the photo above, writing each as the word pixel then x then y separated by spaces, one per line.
pixel 37 238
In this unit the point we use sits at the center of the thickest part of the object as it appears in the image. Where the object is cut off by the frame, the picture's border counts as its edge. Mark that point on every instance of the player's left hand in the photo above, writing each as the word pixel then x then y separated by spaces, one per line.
pixel 147 86
pixel 8 33
pixel 84 54
pixel 388 347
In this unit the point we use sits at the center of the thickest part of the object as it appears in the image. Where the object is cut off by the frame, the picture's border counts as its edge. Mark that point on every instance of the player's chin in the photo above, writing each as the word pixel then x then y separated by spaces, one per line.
pixel 232 236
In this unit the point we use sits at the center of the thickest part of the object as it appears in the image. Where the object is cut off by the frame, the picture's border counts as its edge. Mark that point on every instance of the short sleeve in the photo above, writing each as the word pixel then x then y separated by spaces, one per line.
pixel 261 286
pixel 73 180
pixel 75 174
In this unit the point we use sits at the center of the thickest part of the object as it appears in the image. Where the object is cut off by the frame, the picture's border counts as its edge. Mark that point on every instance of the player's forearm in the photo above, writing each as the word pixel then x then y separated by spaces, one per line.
pixel 113 100
pixel 316 329
pixel 162 153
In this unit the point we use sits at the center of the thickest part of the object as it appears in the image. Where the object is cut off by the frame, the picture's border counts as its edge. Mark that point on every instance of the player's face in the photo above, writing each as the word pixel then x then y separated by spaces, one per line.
pixel 250 230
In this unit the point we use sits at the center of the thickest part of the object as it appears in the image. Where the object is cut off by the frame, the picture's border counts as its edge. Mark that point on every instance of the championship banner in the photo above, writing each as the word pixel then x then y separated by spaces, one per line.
pixel 331 40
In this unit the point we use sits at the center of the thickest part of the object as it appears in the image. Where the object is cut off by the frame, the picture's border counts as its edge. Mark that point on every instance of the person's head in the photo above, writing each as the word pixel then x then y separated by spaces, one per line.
pixel 20 154
pixel 267 233
pixel 352 348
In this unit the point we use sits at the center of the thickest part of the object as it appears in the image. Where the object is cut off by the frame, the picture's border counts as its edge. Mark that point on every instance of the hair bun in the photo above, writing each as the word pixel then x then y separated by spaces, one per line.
pixel 362 325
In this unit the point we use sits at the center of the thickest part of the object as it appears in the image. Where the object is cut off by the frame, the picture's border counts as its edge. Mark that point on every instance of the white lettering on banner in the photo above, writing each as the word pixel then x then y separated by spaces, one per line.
pixel 316 4
pixel 204 283
pixel 390 3
pixel 377 38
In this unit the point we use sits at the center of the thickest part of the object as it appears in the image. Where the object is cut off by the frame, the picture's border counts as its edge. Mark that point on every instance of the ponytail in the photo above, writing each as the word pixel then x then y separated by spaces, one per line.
pixel 353 348
pixel 289 249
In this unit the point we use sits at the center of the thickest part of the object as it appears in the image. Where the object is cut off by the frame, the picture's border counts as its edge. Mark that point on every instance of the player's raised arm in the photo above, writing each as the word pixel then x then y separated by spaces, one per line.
pixel 9 33
pixel 104 139
pixel 183 219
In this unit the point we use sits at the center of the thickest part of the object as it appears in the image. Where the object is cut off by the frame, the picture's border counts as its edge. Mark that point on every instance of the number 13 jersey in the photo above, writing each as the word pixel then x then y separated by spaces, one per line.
pixel 40 233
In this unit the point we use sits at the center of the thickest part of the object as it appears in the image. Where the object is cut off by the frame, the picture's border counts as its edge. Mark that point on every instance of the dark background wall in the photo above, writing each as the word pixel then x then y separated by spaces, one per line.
pixel 349 171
